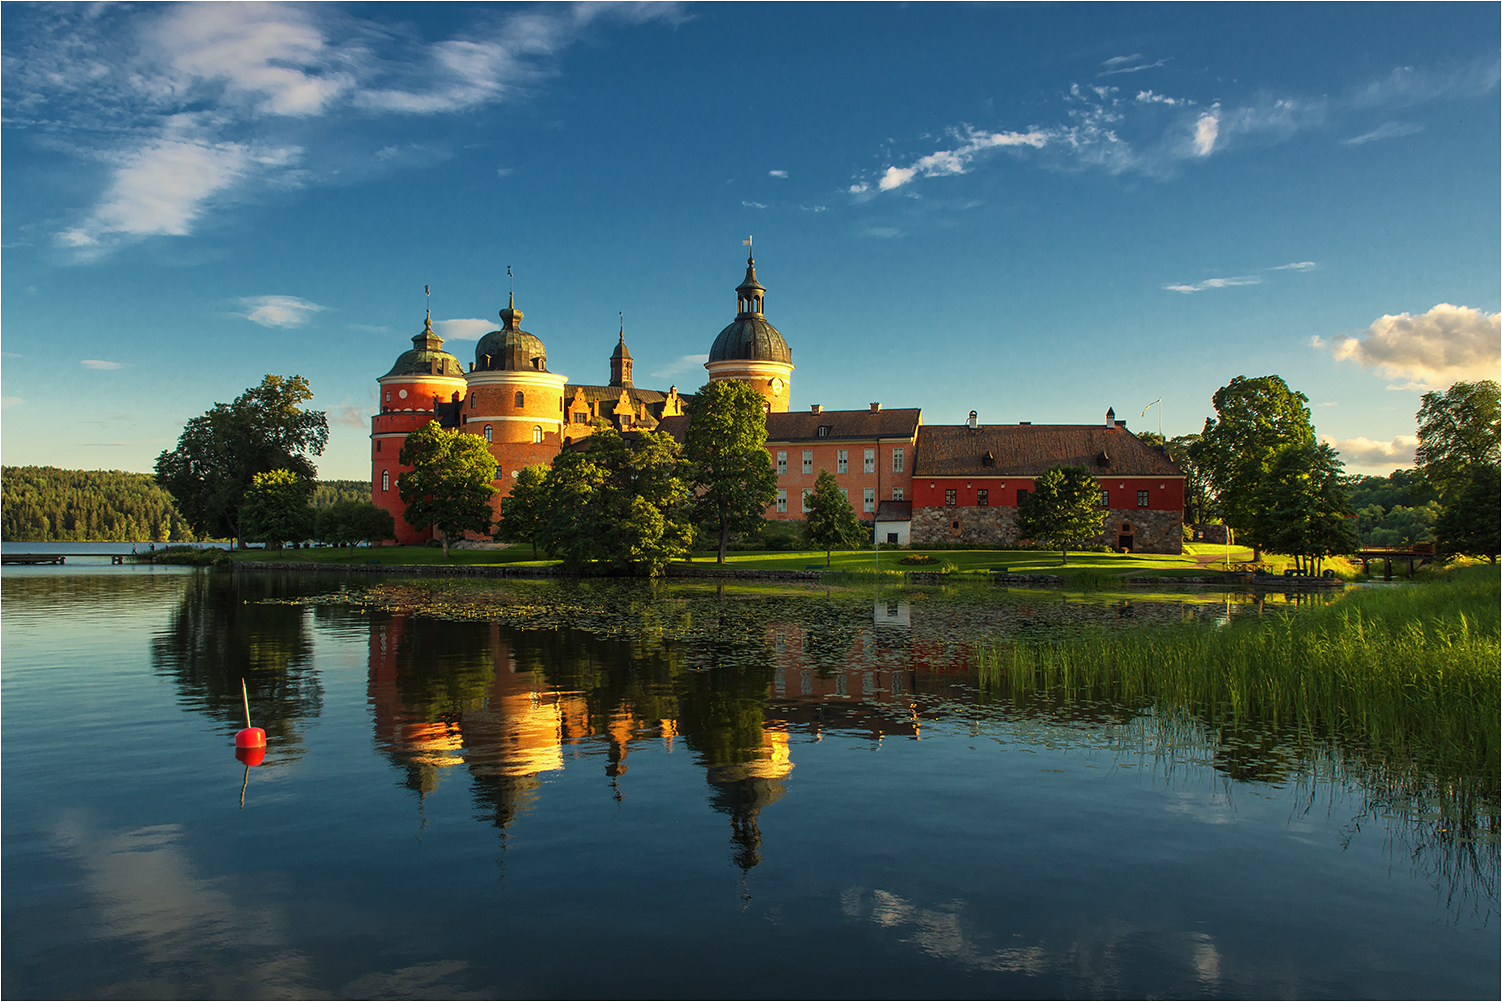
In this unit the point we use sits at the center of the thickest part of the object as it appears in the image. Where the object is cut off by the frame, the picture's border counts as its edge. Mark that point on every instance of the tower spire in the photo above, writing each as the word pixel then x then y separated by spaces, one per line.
pixel 510 289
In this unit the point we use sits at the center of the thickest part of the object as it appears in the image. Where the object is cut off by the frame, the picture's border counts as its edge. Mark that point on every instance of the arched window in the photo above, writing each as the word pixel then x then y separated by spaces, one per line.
pixel 378 445
pixel 489 434
pixel 536 434
pixel 473 398
pixel 519 398
pixel 385 480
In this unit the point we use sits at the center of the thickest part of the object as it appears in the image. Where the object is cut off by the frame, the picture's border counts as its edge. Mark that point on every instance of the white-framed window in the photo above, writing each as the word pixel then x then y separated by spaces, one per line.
pixel 896 493
pixel 951 498
pixel 896 460
pixel 1142 499
pixel 869 502
pixel 782 499
pixel 806 492
pixel 388 396
pixel 489 434
pixel 385 480
pixel 842 461
pixel 846 492
pixel 983 498
pixel 870 460
pixel 782 462
pixel 808 460
pixel 536 434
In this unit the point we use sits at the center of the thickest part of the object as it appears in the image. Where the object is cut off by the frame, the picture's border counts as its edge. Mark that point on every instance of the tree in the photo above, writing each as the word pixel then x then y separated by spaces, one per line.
pixel 1063 508
pixel 1467 525
pixel 1308 514
pixel 831 522
pixel 220 452
pixel 278 507
pixel 732 475
pixel 1458 431
pixel 523 511
pixel 1256 418
pixel 345 523
pixel 617 505
pixel 449 485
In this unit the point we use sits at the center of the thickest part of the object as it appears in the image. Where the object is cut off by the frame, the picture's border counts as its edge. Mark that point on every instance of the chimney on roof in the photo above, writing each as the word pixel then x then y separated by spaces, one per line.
pixel 875 407
pixel 971 423
pixel 1110 417
pixel 815 408
pixel 1024 422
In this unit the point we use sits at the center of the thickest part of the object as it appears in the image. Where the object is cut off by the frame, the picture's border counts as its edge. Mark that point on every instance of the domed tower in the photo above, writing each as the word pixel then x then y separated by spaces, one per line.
pixel 425 384
pixel 750 349
pixel 514 401
pixel 620 362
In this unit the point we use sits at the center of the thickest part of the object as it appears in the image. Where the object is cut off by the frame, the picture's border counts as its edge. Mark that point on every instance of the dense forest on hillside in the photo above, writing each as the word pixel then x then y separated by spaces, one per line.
pixel 43 504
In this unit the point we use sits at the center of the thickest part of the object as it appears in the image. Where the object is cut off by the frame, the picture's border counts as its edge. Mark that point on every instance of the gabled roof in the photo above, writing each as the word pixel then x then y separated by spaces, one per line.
pixel 1029 449
pixel 594 394
pixel 795 426
pixel 894 511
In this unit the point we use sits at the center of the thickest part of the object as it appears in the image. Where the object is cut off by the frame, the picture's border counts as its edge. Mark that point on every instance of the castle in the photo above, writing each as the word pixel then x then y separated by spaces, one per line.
pixel 918 484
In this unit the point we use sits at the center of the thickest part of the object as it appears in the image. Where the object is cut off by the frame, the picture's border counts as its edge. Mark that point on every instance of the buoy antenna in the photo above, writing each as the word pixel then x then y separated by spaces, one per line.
pixel 245 698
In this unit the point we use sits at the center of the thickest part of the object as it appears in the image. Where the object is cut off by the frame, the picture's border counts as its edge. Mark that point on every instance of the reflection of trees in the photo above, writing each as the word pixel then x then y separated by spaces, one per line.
pixel 222 633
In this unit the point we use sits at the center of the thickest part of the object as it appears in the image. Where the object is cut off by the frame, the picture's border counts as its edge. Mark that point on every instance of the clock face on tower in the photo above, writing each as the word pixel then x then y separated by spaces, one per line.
pixel 777 385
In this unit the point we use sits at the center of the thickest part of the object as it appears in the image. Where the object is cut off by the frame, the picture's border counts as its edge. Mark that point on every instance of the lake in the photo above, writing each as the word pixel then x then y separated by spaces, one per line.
pixel 613 788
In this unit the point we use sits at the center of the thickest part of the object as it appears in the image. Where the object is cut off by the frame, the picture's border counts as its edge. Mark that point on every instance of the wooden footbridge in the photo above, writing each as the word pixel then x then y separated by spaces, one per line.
pixel 54 558
pixel 1414 554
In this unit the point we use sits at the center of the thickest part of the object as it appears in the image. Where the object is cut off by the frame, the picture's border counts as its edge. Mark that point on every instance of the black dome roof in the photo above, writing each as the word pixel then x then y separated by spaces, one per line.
pixel 511 348
pixel 427 357
pixel 750 338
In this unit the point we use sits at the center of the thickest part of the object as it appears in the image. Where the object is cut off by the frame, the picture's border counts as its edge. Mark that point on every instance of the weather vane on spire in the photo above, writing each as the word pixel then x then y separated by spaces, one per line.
pixel 751 252
pixel 510 288
pixel 623 325
pixel 426 291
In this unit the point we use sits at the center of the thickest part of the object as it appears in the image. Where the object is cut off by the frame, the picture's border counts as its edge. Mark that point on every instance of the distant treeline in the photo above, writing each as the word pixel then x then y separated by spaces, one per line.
pixel 43 504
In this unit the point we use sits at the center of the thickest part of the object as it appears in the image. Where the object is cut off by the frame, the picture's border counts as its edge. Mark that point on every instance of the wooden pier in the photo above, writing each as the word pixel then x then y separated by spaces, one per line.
pixel 33 558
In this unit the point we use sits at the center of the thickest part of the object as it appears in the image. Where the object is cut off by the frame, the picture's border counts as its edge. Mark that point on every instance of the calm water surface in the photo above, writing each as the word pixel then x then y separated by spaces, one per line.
pixel 607 789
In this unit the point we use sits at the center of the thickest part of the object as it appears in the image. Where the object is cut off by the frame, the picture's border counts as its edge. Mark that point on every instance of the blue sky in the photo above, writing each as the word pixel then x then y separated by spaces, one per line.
pixel 1037 212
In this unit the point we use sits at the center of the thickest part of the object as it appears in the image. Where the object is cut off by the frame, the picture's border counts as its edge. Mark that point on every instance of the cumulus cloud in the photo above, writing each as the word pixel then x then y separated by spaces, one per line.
pixel 777 173
pixel 1363 452
pixel 194 106
pixel 1387 130
pixel 99 363
pixel 1206 130
pixel 347 415
pixel 465 329
pixel 279 311
pixel 1215 283
pixel 1429 351
pixel 683 363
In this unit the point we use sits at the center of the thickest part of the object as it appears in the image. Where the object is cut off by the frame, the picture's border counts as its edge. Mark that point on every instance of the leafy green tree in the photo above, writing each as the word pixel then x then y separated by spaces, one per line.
pixel 44 504
pixel 331 491
pixel 219 453
pixel 449 484
pixel 1255 418
pixel 831 522
pixel 345 523
pixel 732 475
pixel 617 505
pixel 1458 430
pixel 1468 523
pixel 524 510
pixel 277 508
pixel 1399 526
pixel 1400 488
pixel 1062 508
pixel 1309 514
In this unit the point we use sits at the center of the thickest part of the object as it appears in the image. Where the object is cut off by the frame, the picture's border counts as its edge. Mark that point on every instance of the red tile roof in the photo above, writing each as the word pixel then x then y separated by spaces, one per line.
pixel 1027 450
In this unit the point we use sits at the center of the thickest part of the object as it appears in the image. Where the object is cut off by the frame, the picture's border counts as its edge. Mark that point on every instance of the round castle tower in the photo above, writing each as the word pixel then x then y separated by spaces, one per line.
pixel 423 381
pixel 750 349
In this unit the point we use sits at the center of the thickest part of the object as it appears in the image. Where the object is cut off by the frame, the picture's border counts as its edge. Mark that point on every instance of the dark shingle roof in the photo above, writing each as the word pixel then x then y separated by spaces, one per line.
pixel 1028 450
pixel 794 426
pixel 594 394
pixel 894 511
pixel 750 337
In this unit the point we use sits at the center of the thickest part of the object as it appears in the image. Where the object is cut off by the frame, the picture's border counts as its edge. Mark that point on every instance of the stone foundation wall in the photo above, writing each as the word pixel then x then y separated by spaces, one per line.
pixel 1153 530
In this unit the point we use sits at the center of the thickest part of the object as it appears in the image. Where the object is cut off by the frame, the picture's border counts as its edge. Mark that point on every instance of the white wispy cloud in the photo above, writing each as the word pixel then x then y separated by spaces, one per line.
pixel 1387 130
pixel 1363 452
pixel 347 415
pixel 1295 266
pixel 753 205
pixel 1149 97
pixel 1206 131
pixel 957 160
pixel 99 363
pixel 1216 283
pixel 8 402
pixel 279 311
pixel 1127 64
pixel 683 363
pixel 1428 351
pixel 194 106
pixel 882 232
pixel 777 173
pixel 464 329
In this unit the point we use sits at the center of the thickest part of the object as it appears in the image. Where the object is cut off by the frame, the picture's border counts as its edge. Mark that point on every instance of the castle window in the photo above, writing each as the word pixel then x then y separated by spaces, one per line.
pixel 950 498
pixel 520 399
pixel 845 493
pixel 870 460
pixel 489 434
pixel 581 417
pixel 808 460
pixel 1105 499
pixel 388 396
pixel 497 473
pixel 536 434
pixel 378 445
pixel 806 492
pixel 473 398
pixel 782 462
pixel 1021 498
pixel 782 499
pixel 1142 499
pixel 896 460
pixel 842 461
pixel 869 501
pixel 983 498
pixel 823 431
pixel 385 480
pixel 896 493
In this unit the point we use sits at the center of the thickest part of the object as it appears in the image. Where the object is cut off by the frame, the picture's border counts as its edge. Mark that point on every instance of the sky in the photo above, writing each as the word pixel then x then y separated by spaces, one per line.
pixel 1033 211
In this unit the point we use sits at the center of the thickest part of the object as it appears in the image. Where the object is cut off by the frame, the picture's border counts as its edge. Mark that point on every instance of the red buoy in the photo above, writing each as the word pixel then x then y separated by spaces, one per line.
pixel 252 740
